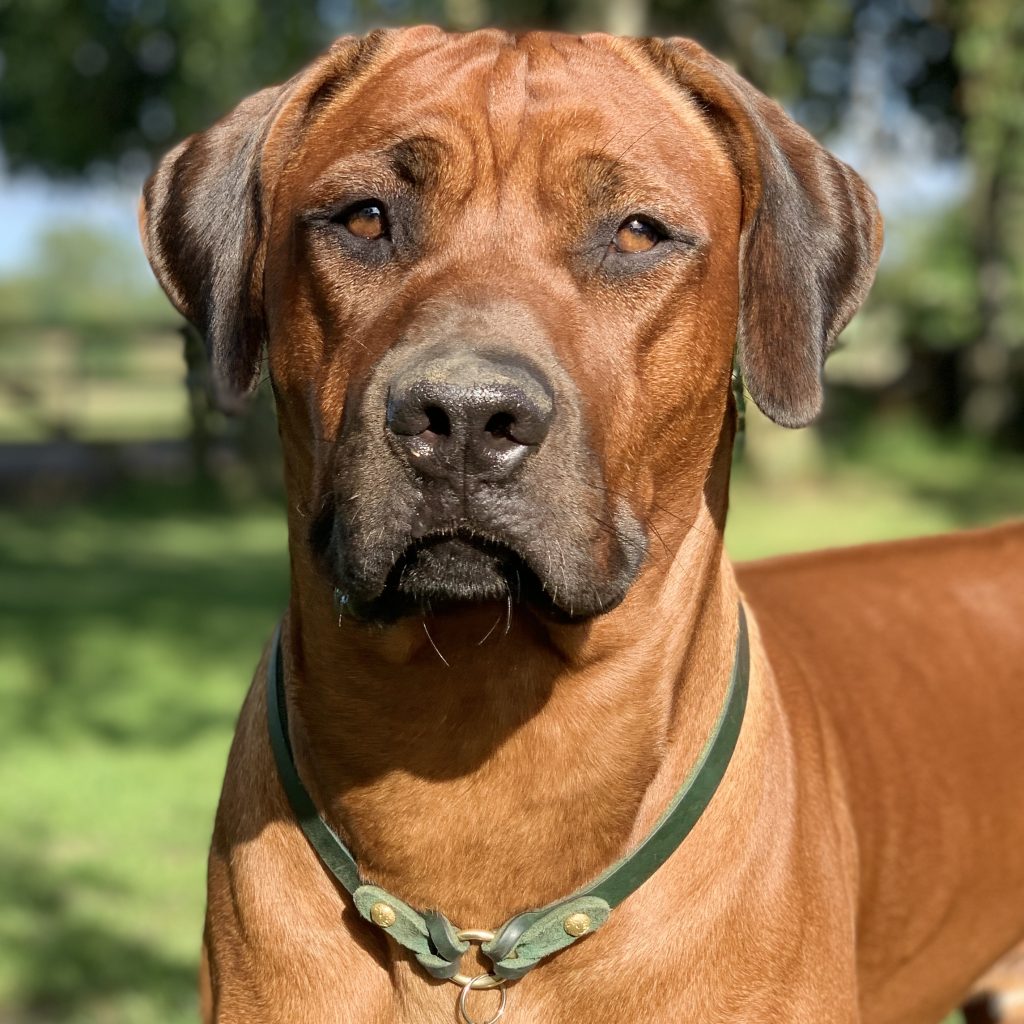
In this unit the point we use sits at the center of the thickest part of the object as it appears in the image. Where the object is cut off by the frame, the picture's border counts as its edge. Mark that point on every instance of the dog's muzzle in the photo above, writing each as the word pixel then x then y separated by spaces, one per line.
pixel 463 475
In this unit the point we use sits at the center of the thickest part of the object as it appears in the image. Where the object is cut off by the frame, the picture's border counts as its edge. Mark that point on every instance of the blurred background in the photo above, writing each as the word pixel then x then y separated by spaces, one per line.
pixel 142 557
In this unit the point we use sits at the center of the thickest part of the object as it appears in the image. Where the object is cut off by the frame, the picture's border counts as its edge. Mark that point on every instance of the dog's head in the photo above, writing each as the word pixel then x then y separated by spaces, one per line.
pixel 501 280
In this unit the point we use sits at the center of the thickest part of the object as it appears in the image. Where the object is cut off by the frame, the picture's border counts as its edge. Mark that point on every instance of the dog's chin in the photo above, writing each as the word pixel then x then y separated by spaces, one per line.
pixel 443 573
pixel 451 570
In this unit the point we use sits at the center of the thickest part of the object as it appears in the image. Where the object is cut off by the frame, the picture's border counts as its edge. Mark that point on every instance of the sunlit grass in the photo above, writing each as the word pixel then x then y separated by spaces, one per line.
pixel 91 384
pixel 892 481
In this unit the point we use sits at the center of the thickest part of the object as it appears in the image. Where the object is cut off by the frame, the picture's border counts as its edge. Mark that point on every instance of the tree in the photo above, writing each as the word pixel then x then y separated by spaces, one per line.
pixel 89 82
pixel 990 53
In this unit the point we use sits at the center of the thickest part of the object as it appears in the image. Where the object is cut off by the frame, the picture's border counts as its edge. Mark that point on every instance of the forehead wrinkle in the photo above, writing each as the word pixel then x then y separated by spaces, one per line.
pixel 405 80
pixel 500 87
pixel 404 104
pixel 505 102
pixel 423 152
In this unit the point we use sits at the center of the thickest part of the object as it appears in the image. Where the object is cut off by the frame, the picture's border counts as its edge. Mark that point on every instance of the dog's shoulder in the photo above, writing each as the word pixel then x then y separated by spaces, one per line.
pixel 994 549
pixel 961 590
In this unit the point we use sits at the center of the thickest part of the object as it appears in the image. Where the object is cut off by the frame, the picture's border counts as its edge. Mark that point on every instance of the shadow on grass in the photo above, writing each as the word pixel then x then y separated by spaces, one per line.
pixel 985 498
pixel 129 641
pixel 971 481
pixel 66 964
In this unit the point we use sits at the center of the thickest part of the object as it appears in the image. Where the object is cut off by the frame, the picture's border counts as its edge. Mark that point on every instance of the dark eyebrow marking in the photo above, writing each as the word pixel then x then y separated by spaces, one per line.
pixel 416 160
pixel 609 184
pixel 601 177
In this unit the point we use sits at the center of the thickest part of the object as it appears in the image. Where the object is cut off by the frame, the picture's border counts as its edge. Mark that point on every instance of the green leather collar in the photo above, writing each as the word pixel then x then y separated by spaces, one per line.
pixel 523 941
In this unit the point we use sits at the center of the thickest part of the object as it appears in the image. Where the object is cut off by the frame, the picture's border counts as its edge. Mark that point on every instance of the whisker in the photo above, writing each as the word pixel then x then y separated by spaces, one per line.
pixel 643 135
pixel 657 533
pixel 432 644
pixel 483 639
pixel 690 524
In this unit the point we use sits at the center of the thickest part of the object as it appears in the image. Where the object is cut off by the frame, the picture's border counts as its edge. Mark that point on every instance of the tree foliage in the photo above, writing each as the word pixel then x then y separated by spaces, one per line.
pixel 101 81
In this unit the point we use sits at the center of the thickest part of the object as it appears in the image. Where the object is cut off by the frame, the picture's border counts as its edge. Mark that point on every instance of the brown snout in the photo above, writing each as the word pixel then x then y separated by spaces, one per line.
pixel 465 418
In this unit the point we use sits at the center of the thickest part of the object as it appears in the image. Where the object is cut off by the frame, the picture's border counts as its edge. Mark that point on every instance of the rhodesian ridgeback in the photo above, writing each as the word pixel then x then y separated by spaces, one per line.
pixel 501 281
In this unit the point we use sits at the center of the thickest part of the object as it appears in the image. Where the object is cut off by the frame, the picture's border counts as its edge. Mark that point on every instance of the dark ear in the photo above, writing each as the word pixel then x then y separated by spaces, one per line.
pixel 202 214
pixel 812 234
pixel 201 221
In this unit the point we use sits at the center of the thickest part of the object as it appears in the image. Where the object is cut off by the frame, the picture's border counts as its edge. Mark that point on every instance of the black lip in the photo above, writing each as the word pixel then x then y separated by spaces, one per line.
pixel 445 570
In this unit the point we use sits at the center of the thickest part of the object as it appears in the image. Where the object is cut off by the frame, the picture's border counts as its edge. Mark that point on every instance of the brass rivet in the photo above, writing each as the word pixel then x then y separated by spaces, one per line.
pixel 576 925
pixel 382 915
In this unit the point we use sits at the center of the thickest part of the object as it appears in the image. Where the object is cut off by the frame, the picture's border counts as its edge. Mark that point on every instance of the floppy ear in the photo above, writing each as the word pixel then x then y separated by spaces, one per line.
pixel 203 211
pixel 811 234
pixel 201 221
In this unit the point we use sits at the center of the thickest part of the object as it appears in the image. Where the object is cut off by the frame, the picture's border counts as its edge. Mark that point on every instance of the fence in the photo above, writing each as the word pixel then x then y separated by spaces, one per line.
pixel 93 401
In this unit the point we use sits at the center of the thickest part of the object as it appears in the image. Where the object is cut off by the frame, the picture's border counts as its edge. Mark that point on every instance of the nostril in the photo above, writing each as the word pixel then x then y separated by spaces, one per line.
pixel 438 421
pixel 499 426
pixel 409 416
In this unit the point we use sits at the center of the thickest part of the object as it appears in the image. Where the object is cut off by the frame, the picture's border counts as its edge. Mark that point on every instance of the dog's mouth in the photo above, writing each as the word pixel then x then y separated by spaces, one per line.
pixel 444 570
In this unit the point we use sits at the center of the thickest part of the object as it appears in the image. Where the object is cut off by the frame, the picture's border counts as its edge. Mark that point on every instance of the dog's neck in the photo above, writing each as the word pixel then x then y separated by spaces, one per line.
pixel 481 763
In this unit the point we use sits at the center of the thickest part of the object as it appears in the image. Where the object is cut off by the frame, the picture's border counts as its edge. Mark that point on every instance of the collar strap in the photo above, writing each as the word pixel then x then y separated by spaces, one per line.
pixel 524 940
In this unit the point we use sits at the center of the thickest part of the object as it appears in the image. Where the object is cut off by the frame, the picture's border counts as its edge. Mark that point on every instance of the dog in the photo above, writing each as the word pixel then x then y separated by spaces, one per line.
pixel 501 281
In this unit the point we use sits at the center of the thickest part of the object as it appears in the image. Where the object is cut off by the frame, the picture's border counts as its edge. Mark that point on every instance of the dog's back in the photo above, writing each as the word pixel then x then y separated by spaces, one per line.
pixel 909 658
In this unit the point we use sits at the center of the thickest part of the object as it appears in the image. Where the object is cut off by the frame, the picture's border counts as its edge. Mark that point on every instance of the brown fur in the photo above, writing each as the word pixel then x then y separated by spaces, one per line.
pixel 861 858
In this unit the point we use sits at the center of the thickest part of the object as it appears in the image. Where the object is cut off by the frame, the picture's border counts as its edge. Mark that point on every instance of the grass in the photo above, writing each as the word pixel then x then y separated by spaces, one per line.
pixel 893 481
pixel 131 626
pixel 131 634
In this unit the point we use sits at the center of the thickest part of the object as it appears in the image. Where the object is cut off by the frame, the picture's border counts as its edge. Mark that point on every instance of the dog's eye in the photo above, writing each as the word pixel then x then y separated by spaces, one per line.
pixel 366 220
pixel 637 234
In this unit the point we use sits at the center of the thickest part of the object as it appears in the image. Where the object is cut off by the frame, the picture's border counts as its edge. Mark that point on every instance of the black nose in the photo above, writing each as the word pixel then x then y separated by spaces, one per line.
pixel 464 415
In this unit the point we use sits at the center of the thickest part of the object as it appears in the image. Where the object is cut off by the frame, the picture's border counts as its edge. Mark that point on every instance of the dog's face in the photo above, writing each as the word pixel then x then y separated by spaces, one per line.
pixel 500 280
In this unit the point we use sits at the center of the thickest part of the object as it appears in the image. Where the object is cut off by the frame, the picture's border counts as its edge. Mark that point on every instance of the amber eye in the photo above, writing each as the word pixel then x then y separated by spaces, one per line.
pixel 366 220
pixel 636 235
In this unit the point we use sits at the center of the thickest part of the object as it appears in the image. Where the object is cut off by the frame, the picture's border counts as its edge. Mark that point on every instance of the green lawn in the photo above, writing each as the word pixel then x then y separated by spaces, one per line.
pixel 131 626
pixel 129 635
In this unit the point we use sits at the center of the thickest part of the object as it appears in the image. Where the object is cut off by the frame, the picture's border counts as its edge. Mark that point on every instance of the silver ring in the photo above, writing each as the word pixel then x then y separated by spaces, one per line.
pixel 468 987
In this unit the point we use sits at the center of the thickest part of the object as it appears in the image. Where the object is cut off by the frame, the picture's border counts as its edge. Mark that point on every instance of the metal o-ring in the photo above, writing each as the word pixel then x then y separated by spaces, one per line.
pixel 481 982
pixel 472 984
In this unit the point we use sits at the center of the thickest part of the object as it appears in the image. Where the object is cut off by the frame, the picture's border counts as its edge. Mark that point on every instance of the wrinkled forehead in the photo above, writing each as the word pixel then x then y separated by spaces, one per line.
pixel 490 107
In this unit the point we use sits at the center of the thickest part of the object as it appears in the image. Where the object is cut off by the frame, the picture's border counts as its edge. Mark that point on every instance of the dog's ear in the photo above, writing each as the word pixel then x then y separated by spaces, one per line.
pixel 811 234
pixel 201 220
pixel 203 215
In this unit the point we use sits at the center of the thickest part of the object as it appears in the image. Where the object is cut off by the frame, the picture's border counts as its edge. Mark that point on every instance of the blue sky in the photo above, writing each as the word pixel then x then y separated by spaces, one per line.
pixel 28 205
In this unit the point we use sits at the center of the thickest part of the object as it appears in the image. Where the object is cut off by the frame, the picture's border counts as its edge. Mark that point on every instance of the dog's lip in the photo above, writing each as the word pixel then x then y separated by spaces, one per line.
pixel 522 584
pixel 422 537
pixel 504 554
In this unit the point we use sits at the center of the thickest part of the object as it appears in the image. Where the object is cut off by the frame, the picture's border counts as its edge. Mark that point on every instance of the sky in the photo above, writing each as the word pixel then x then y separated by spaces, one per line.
pixel 30 204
